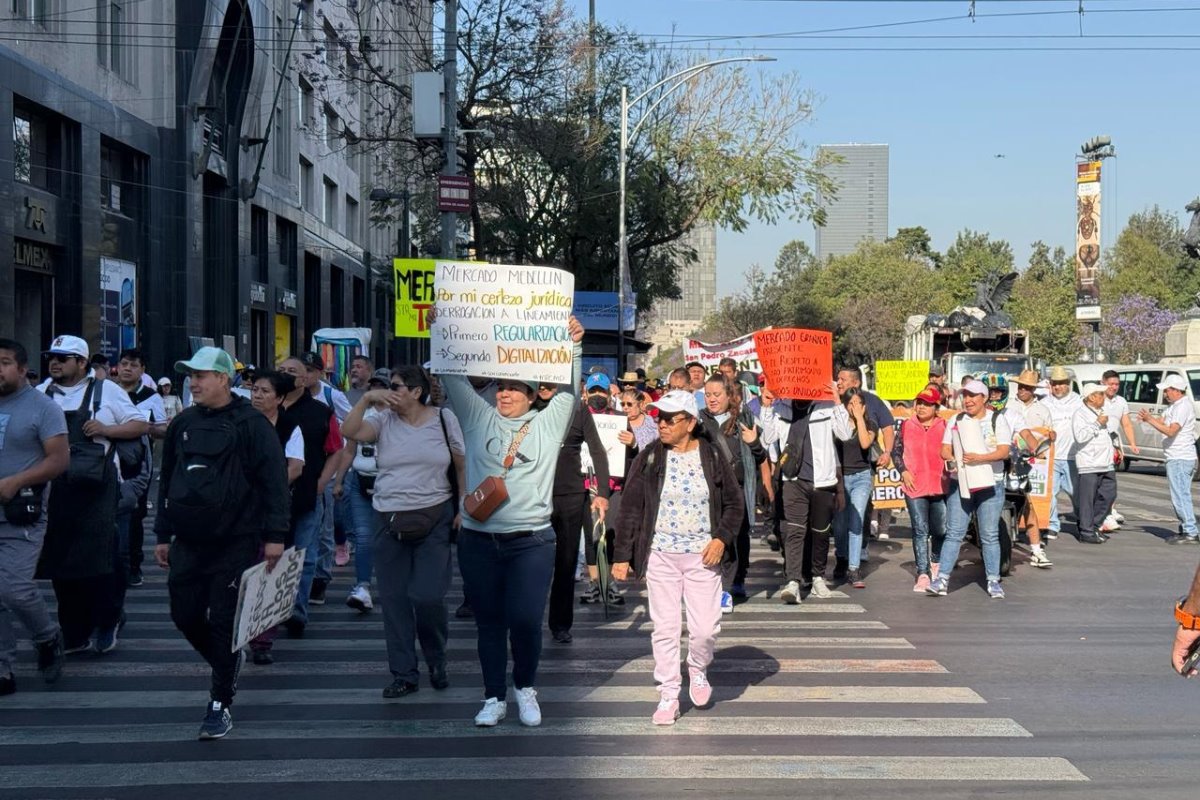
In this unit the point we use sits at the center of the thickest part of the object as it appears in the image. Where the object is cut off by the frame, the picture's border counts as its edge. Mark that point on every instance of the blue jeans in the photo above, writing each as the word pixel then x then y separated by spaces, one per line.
pixel 928 517
pixel 307 531
pixel 1179 477
pixel 848 523
pixel 325 540
pixel 361 528
pixel 1065 478
pixel 506 583
pixel 986 505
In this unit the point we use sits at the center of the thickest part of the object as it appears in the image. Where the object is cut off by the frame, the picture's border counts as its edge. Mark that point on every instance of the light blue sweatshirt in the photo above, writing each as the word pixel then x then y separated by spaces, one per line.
pixel 488 436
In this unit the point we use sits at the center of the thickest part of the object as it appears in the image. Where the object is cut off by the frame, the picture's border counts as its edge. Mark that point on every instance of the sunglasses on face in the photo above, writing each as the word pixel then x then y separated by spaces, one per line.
pixel 58 357
pixel 675 420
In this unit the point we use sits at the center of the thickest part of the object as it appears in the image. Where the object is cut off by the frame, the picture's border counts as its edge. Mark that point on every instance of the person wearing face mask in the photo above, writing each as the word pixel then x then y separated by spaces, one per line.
pixel 507 559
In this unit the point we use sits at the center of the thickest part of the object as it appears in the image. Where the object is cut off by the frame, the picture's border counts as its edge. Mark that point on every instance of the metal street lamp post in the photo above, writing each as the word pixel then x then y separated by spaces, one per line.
pixel 624 292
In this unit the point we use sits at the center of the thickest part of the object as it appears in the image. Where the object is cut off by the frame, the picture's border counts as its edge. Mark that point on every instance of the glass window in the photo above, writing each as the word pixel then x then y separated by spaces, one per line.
pixel 333 128
pixel 1141 386
pixel 258 244
pixel 306 184
pixel 286 239
pixel 352 231
pixel 116 36
pixel 31 151
pixel 307 107
pixel 329 203
pixel 22 149
pixel 110 178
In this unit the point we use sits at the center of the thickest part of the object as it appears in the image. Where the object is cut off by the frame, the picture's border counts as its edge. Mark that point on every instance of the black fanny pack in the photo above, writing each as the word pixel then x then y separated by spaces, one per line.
pixel 413 526
pixel 26 508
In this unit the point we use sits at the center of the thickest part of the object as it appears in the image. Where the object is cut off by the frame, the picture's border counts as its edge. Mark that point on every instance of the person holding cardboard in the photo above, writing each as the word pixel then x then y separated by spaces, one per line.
pixel 977 440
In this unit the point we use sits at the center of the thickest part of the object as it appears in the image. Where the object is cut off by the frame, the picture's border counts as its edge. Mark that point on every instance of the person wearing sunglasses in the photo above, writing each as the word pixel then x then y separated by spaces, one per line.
pixel 682 512
pixel 416 500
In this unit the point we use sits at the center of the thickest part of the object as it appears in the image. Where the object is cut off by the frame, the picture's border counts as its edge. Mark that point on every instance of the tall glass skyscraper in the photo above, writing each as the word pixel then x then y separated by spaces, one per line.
pixel 860 209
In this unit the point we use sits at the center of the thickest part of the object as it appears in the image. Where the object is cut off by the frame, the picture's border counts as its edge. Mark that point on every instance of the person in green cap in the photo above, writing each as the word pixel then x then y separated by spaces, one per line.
pixel 223 490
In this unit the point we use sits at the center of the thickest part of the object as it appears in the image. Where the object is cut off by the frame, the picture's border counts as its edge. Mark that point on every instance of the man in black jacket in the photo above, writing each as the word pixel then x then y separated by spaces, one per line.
pixel 223 492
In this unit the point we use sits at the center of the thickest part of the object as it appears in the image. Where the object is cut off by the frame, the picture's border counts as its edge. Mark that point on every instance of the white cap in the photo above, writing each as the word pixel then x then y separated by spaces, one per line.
pixel 69 346
pixel 164 381
pixel 975 387
pixel 675 401
pixel 1092 388
pixel 1174 382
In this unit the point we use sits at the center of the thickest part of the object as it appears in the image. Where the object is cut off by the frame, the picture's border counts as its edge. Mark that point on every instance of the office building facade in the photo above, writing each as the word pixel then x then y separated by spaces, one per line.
pixel 859 210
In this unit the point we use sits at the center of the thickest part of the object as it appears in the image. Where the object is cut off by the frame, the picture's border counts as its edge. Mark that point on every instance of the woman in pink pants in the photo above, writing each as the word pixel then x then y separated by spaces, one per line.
pixel 680 514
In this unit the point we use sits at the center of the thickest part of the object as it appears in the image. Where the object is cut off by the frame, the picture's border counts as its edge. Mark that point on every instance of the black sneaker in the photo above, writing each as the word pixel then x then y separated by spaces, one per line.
pixel 437 677
pixel 464 611
pixel 51 658
pixel 840 569
pixel 615 598
pixel 106 639
pixel 562 637
pixel 317 595
pixel 399 689
pixel 262 658
pixel 1183 539
pixel 217 722
pixel 855 579
pixel 8 685
pixel 135 578
pixel 590 595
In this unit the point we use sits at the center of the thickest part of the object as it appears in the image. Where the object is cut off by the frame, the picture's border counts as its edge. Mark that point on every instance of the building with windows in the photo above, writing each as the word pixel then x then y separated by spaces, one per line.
pixel 671 321
pixel 172 176
pixel 860 209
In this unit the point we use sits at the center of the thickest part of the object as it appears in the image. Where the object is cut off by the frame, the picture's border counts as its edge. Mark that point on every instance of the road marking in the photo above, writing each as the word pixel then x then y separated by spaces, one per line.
pixel 597 644
pixel 691 725
pixel 159 621
pixel 917 695
pixel 974 769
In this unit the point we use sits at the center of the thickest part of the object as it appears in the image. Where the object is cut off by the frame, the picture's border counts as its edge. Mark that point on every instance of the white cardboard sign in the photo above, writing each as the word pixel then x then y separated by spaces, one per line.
pixel 265 599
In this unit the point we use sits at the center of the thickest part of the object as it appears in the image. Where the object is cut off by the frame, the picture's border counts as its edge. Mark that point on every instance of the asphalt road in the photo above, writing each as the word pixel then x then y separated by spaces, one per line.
pixel 1061 690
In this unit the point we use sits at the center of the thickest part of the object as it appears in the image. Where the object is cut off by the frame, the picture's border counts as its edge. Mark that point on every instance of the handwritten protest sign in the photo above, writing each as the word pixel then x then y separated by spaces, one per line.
pixel 414 295
pixel 265 599
pixel 1041 480
pixel 798 362
pixel 501 321
pixel 608 426
pixel 900 380
pixel 709 355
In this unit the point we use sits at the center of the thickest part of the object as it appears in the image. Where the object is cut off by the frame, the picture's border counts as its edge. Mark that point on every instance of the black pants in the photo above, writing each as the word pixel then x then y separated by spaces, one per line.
pixel 734 571
pixel 137 534
pixel 84 605
pixel 1094 493
pixel 807 522
pixel 567 520
pixel 203 584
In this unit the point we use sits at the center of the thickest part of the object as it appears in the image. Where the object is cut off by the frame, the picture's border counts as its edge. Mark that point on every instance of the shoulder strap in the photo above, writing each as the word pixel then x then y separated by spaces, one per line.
pixel 445 435
pixel 95 390
pixel 512 448
pixel 329 396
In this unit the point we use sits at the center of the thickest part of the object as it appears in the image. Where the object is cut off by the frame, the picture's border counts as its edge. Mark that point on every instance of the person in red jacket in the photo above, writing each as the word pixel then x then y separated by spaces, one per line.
pixel 916 454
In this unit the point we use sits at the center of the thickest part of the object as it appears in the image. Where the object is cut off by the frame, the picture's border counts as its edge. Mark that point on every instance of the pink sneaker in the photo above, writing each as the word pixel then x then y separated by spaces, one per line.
pixel 922 584
pixel 667 711
pixel 700 690
pixel 341 554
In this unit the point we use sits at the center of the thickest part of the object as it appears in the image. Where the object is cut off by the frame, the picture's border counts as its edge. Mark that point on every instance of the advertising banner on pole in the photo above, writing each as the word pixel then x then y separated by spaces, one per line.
pixel 709 356
pixel 265 599
pixel 414 296
pixel 118 306
pixel 1087 241
pixel 798 362
pixel 900 380
pixel 502 321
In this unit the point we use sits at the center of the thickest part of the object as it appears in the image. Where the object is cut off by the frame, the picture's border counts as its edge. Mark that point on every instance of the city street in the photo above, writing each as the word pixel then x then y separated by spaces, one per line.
pixel 1063 689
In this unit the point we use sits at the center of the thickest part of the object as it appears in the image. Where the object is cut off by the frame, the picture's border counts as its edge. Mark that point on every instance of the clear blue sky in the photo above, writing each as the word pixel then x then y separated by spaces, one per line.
pixel 947 106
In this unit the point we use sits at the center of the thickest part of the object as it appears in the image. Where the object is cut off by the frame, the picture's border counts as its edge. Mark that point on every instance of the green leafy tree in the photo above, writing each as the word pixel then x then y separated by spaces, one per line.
pixel 973 256
pixel 917 245
pixel 1043 303
pixel 1147 260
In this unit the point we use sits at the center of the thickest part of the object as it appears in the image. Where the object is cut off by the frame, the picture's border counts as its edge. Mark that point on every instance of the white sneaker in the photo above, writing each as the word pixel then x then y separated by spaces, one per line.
pixel 1038 558
pixel 1110 524
pixel 820 589
pixel 493 712
pixel 527 706
pixel 1118 516
pixel 874 527
pixel 791 593
pixel 360 598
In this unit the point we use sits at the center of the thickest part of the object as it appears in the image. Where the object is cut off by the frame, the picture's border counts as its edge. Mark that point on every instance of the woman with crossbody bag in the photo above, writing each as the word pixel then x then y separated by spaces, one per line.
pixel 414 499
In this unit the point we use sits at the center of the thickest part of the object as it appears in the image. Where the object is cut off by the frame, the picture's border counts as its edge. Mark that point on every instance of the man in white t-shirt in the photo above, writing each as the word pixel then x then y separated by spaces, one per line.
pixel 1116 408
pixel 1062 404
pixel 975 496
pixel 1178 427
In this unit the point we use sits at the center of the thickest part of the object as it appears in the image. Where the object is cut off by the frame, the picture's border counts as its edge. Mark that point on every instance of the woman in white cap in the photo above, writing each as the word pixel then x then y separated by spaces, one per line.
pixel 1095 457
pixel 171 403
pixel 681 513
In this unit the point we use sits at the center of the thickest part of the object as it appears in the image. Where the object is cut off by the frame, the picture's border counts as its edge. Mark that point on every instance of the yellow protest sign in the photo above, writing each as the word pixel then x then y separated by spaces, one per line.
pixel 900 380
pixel 414 296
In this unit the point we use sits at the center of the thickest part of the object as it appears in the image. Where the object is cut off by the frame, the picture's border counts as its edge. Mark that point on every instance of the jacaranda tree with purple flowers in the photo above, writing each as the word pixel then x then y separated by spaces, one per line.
pixel 1135 326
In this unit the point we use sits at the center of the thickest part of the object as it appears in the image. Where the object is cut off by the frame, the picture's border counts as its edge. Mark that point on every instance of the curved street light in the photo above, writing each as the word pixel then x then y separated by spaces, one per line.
pixel 624 290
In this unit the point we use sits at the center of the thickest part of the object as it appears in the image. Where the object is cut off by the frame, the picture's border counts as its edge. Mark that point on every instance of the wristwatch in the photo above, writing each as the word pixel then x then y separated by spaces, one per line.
pixel 1188 621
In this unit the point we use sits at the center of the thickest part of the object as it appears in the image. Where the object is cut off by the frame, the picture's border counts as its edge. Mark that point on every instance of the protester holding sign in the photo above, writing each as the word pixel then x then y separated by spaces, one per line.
pixel 506 551
pixel 917 455
pixel 223 491
pixel 420 458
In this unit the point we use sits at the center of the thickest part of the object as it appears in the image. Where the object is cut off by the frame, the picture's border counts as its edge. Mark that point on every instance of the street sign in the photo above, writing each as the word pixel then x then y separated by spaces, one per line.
pixel 455 193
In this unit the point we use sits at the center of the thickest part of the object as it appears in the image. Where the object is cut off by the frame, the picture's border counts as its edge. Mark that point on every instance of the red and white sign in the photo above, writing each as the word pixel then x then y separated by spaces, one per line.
pixel 455 193
pixel 709 356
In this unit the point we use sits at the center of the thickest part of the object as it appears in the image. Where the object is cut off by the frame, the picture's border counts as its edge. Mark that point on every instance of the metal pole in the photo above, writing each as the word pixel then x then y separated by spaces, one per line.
pixel 622 249
pixel 405 230
pixel 450 142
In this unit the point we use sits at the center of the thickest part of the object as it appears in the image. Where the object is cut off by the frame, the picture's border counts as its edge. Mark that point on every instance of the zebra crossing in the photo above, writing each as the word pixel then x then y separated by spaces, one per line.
pixel 816 692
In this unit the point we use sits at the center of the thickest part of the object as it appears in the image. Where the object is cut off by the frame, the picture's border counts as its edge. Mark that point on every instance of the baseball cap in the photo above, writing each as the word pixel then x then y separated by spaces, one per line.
pixel 975 387
pixel 598 381
pixel 69 346
pixel 936 370
pixel 930 396
pixel 208 359
pixel 312 361
pixel 164 381
pixel 383 376
pixel 1091 388
pixel 1174 382
pixel 675 401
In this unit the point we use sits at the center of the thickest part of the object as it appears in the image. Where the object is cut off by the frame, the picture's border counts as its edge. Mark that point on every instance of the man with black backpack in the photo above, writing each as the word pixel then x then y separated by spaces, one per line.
pixel 131 515
pixel 223 490
pixel 81 526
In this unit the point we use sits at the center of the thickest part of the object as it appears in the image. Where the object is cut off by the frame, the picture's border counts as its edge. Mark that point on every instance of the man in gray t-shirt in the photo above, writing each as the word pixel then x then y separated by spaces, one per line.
pixel 33 451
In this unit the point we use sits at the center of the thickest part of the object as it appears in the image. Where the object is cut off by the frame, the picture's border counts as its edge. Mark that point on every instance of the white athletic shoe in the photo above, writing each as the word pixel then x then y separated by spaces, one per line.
pixel 820 589
pixel 527 706
pixel 1110 524
pixel 791 593
pixel 493 712
pixel 1038 558
pixel 360 598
